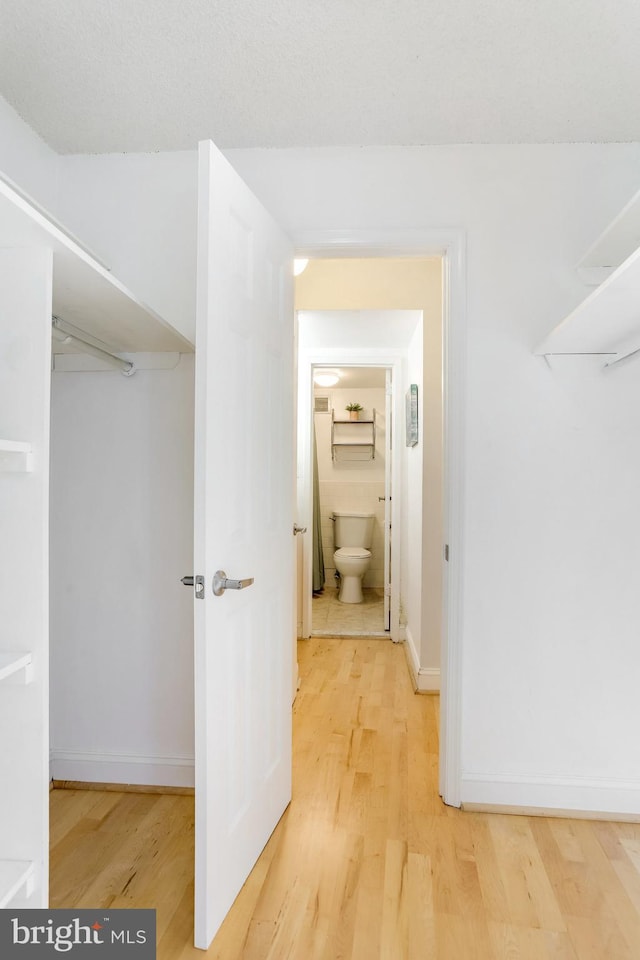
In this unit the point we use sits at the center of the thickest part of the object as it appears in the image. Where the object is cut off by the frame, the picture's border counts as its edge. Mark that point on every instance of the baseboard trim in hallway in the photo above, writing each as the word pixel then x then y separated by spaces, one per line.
pixel 122 787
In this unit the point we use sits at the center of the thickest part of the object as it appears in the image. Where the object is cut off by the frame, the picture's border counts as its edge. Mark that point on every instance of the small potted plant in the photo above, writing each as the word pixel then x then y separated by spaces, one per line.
pixel 354 410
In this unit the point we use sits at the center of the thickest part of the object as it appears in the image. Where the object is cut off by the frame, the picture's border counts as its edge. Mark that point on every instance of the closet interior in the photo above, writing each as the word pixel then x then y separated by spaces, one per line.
pixel 96 509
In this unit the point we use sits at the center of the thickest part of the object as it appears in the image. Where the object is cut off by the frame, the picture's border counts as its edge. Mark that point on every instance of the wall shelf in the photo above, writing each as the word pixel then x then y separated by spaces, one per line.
pixel 614 244
pixel 15 455
pixel 607 322
pixel 11 663
pixel 353 434
pixel 15 874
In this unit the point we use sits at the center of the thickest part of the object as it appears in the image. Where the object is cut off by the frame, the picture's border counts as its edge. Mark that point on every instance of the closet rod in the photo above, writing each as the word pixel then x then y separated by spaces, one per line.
pixel 63 334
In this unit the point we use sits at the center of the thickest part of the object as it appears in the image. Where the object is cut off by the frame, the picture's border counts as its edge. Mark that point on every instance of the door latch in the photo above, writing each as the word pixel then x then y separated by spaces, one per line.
pixel 198 583
pixel 297 529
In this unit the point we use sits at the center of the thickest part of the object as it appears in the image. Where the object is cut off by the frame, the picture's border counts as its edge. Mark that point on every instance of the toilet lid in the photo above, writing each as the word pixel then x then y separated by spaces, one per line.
pixel 356 553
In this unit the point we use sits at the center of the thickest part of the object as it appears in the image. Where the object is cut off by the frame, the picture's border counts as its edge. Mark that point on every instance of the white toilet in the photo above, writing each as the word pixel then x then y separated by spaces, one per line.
pixel 352 536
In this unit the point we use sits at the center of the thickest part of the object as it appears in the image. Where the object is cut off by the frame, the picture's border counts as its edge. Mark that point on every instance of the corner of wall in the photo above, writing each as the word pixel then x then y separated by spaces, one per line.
pixel 425 679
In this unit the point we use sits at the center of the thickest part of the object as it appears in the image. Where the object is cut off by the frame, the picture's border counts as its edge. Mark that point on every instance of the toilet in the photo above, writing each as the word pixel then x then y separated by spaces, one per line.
pixel 352 536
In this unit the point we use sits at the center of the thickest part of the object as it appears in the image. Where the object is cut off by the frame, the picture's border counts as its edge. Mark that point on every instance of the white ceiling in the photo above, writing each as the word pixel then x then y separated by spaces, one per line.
pixel 144 75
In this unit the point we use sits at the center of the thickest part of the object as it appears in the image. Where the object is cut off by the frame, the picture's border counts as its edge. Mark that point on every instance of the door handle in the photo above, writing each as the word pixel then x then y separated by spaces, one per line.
pixel 197 582
pixel 221 583
pixel 297 529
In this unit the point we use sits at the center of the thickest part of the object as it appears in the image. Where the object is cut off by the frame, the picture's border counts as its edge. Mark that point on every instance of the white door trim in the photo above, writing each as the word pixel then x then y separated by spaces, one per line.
pixel 450 244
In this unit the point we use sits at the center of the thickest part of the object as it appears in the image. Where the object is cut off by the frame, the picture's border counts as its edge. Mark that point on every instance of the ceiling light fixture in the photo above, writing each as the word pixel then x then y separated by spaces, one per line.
pixel 326 378
pixel 299 264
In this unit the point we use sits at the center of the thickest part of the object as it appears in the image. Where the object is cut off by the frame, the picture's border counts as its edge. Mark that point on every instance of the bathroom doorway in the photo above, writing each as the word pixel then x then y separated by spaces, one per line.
pixel 351 529
pixel 386 345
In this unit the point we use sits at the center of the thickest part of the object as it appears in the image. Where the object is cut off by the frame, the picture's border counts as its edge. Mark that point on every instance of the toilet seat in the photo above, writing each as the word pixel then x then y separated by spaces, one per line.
pixel 355 553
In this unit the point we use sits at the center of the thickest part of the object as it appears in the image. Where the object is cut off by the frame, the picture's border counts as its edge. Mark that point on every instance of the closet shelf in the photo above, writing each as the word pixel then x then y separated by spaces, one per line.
pixel 15 455
pixel 85 293
pixel 607 322
pixel 11 662
pixel 614 244
pixel 15 874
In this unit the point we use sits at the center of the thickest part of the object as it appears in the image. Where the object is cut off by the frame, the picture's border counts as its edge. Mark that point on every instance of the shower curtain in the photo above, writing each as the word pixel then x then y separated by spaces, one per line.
pixel 318 555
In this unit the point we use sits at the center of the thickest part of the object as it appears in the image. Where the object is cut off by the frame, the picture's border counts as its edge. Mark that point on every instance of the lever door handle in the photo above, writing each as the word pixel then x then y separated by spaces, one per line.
pixel 297 529
pixel 222 583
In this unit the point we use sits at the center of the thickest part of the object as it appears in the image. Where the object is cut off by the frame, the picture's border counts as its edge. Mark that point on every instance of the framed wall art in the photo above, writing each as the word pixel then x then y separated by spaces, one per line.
pixel 411 408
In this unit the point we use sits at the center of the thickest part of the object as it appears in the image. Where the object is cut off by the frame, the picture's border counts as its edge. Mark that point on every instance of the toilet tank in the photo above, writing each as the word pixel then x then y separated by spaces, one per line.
pixel 352 529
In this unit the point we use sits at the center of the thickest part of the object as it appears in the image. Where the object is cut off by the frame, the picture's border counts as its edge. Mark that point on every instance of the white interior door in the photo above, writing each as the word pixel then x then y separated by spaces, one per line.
pixel 388 453
pixel 244 527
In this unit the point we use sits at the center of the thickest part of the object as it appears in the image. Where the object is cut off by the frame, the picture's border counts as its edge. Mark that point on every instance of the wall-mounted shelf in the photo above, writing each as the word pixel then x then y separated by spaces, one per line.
pixel 607 322
pixel 14 875
pixel 356 435
pixel 606 325
pixel 613 246
pixel 15 455
pixel 11 663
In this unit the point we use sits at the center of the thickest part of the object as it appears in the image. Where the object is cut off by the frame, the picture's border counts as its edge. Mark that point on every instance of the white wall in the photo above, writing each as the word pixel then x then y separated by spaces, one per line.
pixel 349 484
pixel 552 529
pixel 121 539
pixel 27 160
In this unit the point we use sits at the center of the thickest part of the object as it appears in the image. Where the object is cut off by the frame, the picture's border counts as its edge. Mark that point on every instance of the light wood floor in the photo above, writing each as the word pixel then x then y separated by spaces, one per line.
pixel 367 863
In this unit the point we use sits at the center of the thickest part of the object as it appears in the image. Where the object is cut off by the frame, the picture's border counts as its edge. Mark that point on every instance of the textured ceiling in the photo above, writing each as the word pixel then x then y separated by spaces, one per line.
pixel 126 75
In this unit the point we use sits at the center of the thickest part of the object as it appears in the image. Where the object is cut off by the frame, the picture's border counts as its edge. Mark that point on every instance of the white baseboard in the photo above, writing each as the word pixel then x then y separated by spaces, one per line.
pixel 429 680
pixel 116 768
pixel 425 679
pixel 605 798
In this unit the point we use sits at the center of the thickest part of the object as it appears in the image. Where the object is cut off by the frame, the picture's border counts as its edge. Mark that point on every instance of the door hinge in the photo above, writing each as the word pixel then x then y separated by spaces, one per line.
pixel 446 552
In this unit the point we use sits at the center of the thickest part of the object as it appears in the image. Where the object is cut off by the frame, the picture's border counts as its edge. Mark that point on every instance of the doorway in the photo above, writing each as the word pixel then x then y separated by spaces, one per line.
pixel 404 248
pixel 386 298
pixel 351 485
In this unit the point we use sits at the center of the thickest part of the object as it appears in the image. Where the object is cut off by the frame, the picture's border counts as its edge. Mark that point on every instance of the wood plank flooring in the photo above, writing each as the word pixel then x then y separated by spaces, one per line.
pixel 367 863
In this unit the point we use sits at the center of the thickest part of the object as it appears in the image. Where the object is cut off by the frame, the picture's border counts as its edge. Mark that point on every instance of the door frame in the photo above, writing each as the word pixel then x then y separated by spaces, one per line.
pixel 385 359
pixel 450 245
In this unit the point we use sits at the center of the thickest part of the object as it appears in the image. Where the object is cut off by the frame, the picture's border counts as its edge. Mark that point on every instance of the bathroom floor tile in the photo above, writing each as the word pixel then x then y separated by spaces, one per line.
pixel 330 616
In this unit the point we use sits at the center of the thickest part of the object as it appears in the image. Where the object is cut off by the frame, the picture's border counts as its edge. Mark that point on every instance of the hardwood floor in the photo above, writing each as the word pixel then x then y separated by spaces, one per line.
pixel 367 863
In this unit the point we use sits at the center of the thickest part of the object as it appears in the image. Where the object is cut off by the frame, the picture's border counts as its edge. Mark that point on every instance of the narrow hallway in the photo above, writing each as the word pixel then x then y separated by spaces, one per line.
pixel 367 862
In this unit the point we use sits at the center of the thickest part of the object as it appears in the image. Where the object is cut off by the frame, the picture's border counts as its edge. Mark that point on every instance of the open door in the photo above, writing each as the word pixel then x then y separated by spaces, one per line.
pixel 243 535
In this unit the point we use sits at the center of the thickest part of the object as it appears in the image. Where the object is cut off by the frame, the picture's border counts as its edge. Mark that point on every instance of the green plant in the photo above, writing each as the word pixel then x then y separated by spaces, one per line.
pixel 353 406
